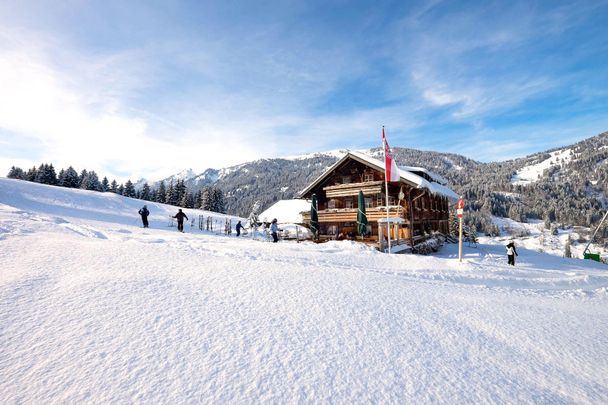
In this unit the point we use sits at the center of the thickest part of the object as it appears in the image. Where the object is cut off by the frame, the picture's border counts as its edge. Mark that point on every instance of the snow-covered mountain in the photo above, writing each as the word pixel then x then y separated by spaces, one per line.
pixel 94 308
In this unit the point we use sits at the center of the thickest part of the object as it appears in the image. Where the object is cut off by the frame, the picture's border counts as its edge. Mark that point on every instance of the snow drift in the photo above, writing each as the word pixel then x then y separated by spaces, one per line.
pixel 94 308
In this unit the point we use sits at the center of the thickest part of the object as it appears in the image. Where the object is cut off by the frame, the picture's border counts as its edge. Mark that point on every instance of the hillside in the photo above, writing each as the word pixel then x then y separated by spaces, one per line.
pixel 92 306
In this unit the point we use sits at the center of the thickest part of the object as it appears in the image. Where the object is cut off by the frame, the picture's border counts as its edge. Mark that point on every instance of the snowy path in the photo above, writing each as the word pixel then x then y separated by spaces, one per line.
pixel 100 312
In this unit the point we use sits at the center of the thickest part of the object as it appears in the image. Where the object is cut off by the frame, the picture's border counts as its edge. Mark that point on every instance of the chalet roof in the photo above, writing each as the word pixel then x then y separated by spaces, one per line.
pixel 407 174
pixel 286 211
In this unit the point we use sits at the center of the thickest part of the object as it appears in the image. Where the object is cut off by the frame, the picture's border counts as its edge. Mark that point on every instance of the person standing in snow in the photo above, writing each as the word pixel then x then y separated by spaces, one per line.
pixel 274 231
pixel 180 220
pixel 511 253
pixel 238 228
pixel 144 215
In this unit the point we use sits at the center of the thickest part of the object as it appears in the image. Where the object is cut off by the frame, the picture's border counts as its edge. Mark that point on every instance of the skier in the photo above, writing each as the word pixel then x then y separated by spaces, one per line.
pixel 511 253
pixel 144 215
pixel 238 228
pixel 274 231
pixel 180 220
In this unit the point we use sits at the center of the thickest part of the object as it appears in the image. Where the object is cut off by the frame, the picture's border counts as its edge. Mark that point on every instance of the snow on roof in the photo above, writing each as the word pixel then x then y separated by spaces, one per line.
pixel 406 173
pixel 437 178
pixel 286 211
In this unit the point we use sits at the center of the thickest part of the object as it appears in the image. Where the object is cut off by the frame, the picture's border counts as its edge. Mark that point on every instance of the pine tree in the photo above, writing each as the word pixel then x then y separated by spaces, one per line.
pixel 31 174
pixel 61 177
pixel 472 235
pixel 114 187
pixel 82 179
pixel 105 184
pixel 568 248
pixel 217 198
pixel 197 199
pixel 69 179
pixel 121 190
pixel 129 189
pixel 145 192
pixel 50 175
pixel 453 223
pixel 185 202
pixel 40 173
pixel 172 197
pixel 205 201
pixel 16 173
pixel 253 215
pixel 180 190
pixel 90 181
pixel 161 193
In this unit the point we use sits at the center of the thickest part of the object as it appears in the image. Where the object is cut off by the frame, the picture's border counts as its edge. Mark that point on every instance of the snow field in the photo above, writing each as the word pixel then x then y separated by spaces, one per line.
pixel 540 239
pixel 530 174
pixel 102 311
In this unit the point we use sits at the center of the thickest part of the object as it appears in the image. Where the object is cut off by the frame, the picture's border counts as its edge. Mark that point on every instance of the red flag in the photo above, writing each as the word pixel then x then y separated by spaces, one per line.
pixel 390 167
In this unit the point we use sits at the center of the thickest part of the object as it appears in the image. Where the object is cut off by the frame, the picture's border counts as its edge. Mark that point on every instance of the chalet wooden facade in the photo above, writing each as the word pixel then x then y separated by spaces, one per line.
pixel 418 202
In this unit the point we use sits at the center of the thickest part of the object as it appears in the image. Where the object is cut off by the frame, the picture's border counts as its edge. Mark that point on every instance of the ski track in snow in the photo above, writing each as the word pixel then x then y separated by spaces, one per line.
pixel 103 311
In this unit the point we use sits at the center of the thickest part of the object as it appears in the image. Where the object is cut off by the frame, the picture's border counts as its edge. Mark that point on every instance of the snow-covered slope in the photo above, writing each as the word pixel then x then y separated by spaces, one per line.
pixel 95 309
pixel 59 203
pixel 531 173
pixel 533 235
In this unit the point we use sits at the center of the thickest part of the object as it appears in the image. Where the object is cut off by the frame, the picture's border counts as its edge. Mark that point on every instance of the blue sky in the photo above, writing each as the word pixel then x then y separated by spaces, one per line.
pixel 149 88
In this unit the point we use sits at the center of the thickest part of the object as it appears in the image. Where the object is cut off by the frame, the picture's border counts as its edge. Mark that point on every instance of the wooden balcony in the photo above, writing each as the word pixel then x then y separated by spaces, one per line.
pixel 352 189
pixel 350 214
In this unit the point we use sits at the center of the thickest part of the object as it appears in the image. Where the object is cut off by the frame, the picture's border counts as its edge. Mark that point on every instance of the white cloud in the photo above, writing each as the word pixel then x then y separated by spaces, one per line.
pixel 75 115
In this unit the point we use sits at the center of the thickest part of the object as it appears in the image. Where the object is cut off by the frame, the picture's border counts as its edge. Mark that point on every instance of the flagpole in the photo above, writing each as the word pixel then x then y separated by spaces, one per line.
pixel 388 228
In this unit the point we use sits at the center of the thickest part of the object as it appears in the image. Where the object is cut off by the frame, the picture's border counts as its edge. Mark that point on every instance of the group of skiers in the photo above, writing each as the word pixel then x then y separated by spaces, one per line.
pixel 144 212
pixel 274 230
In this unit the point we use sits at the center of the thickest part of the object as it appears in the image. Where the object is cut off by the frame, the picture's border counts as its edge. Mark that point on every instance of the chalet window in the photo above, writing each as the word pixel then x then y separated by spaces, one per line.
pixel 392 200
pixel 346 179
pixel 348 202
pixel 368 176
pixel 368 202
pixel 331 204
pixel 379 200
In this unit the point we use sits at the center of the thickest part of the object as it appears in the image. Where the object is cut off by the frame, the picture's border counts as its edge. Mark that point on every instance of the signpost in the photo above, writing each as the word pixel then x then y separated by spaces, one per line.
pixel 459 212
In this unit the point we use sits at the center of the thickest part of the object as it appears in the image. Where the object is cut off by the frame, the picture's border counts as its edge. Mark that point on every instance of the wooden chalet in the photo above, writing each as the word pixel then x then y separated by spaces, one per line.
pixel 418 202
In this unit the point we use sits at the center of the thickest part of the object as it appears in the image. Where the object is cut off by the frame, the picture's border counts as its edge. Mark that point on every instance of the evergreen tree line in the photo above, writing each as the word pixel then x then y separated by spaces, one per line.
pixel 208 198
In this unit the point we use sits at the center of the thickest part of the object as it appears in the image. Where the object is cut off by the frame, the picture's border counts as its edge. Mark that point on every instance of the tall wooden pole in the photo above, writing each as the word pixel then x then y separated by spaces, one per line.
pixel 460 239
pixel 388 229
pixel 460 213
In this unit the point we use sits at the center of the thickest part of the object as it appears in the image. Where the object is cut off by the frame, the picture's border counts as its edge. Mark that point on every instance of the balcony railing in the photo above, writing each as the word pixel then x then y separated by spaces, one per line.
pixel 350 214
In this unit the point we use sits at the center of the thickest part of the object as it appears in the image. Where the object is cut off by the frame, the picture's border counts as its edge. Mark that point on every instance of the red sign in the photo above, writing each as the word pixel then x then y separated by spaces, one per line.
pixel 460 208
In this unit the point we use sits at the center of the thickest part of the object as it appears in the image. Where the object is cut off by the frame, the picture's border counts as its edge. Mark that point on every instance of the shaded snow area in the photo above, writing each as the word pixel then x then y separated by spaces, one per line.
pixel 95 309
pixel 529 174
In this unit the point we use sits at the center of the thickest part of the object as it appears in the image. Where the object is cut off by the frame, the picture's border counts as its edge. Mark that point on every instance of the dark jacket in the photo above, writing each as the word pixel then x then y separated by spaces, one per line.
pixel 144 212
pixel 180 216
pixel 239 226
